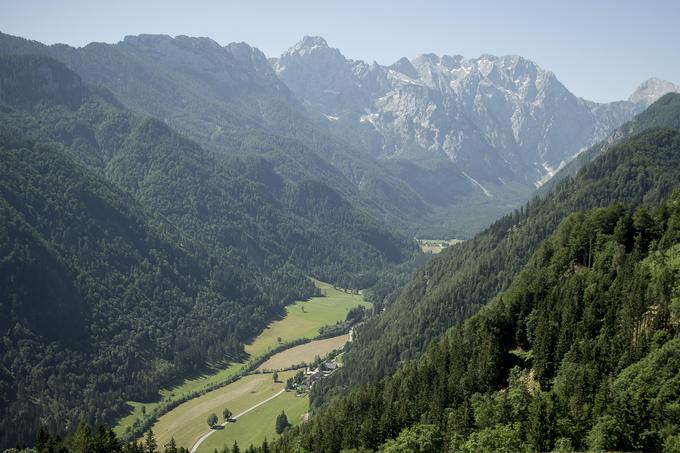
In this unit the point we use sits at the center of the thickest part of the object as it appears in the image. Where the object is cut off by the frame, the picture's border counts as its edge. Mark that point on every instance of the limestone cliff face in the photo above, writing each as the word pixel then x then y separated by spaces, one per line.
pixel 498 119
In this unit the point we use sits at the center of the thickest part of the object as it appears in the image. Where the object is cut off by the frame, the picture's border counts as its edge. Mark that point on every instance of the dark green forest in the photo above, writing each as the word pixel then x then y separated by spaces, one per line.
pixel 132 257
pixel 455 284
pixel 580 352
pixel 100 440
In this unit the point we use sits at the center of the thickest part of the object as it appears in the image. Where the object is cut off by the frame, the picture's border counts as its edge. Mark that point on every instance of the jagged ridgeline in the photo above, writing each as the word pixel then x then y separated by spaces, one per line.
pixel 581 352
pixel 131 256
pixel 640 170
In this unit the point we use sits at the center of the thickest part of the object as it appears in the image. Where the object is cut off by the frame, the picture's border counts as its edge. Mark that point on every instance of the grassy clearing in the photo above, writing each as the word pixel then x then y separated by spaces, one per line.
pixel 187 422
pixel 436 245
pixel 303 320
pixel 190 385
pixel 253 427
pixel 304 353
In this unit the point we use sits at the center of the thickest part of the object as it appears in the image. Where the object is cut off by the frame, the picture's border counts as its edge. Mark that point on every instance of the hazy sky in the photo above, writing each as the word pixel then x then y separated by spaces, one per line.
pixel 600 49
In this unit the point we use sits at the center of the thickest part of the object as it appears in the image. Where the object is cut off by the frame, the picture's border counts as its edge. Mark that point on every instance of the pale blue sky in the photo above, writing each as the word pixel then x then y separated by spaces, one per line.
pixel 600 49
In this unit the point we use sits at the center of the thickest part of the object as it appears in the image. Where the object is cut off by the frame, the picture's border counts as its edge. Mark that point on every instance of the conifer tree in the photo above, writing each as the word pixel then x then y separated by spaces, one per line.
pixel 150 445
pixel 82 439
pixel 281 422
pixel 172 447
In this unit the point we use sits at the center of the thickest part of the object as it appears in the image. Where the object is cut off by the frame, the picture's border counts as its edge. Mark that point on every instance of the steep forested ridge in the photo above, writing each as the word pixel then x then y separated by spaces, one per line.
pixel 582 351
pixel 641 170
pixel 131 256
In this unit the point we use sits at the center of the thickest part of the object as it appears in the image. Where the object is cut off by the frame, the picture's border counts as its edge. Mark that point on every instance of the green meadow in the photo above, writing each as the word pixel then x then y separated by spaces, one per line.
pixel 258 424
pixel 303 319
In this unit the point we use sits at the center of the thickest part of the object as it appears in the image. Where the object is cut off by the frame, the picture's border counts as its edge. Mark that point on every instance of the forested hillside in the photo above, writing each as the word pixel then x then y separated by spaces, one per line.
pixel 580 352
pixel 229 100
pixel 450 288
pixel 131 256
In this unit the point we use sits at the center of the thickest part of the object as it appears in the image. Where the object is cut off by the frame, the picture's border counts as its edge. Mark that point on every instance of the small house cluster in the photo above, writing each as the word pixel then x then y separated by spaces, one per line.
pixel 305 380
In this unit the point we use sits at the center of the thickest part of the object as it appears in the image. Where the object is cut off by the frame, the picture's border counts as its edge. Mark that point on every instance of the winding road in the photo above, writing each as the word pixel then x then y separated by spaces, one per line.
pixel 213 431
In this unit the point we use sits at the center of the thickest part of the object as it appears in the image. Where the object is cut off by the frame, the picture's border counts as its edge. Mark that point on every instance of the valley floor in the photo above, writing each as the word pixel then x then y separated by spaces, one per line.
pixel 187 422
pixel 258 424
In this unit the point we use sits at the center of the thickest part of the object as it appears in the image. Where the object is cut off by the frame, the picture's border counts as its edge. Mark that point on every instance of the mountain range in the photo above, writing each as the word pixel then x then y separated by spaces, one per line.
pixel 489 125
pixel 437 146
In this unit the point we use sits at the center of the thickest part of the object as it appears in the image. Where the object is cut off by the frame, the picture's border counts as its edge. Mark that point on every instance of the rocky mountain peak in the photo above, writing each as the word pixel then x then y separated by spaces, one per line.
pixel 312 66
pixel 498 119
pixel 312 53
pixel 650 90
pixel 314 41
pixel 404 66
pixel 452 61
pixel 245 53
pixel 306 45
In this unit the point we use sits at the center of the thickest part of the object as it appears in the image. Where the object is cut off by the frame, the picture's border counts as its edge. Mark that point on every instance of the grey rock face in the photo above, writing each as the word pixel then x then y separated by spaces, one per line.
pixel 650 90
pixel 498 119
